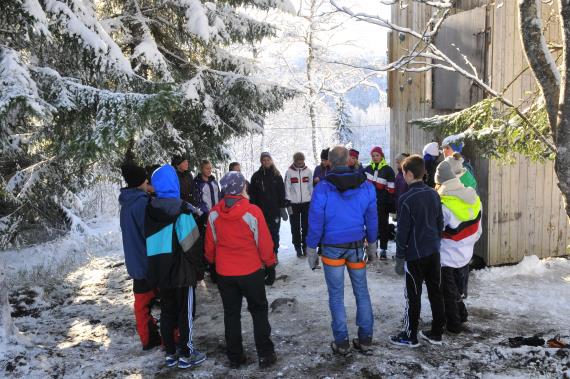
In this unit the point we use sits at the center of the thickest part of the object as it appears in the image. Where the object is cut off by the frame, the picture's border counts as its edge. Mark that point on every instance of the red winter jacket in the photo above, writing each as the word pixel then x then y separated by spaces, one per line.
pixel 237 238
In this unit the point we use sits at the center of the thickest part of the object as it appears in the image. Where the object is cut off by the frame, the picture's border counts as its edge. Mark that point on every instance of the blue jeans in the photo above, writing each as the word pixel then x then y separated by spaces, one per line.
pixel 334 276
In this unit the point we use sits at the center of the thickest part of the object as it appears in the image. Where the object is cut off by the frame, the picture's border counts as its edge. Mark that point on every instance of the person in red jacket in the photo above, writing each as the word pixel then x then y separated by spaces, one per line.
pixel 239 244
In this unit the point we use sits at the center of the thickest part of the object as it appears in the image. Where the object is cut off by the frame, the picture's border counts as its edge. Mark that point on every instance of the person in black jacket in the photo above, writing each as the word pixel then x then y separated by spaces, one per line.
pixel 267 191
pixel 185 179
pixel 382 177
pixel 420 225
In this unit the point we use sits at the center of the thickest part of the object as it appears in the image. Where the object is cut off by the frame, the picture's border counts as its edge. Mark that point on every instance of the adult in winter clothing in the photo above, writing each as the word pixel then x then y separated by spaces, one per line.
pixel 207 190
pixel 420 222
pixel 381 175
pixel 239 244
pixel 174 265
pixel 133 200
pixel 353 162
pixel 323 169
pixel 462 221
pixel 342 215
pixel 453 148
pixel 267 191
pixel 432 157
pixel 298 192
pixel 185 179
pixel 400 183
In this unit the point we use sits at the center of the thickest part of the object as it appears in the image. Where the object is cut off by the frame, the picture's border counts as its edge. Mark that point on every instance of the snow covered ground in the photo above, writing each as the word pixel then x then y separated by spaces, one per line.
pixel 73 306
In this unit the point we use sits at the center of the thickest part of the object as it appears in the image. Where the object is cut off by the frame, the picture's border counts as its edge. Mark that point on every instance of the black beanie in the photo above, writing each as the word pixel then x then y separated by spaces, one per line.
pixel 177 159
pixel 325 154
pixel 134 175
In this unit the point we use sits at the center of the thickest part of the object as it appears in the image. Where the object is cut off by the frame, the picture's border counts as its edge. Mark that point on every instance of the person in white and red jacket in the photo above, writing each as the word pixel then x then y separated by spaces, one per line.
pixel 239 246
pixel 462 229
pixel 298 191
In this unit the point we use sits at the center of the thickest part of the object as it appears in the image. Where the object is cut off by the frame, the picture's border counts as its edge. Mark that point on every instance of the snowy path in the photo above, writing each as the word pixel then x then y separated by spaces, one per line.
pixel 76 315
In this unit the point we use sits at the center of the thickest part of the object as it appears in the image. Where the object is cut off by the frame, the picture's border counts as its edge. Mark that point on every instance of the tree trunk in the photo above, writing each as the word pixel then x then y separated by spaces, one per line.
pixel 7 328
pixel 562 162
pixel 312 92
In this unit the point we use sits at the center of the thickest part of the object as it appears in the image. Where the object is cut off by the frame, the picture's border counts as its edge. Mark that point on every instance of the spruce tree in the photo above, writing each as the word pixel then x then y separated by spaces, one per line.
pixel 83 81
pixel 343 134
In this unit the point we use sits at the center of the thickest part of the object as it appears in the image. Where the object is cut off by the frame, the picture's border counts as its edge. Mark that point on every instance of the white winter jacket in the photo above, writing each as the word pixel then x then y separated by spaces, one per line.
pixel 462 213
pixel 298 184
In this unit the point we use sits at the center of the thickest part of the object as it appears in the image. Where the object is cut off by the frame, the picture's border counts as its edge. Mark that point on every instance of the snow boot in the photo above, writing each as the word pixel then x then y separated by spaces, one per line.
pixel 364 345
pixel 402 339
pixel 171 360
pixel 267 361
pixel 191 360
pixel 428 335
pixel 298 251
pixel 235 364
pixel 341 348
pixel 453 329
pixel 383 255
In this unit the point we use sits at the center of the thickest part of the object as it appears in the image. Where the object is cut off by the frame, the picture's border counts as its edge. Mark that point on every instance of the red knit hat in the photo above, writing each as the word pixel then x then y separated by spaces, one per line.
pixel 377 149
pixel 353 153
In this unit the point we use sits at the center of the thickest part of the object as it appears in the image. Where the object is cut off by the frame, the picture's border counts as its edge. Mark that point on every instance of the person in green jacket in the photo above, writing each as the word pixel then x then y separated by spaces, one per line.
pixel 465 177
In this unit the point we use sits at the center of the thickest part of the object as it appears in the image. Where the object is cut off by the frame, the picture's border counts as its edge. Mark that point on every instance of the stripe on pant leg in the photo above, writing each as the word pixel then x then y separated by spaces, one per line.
pixel 190 318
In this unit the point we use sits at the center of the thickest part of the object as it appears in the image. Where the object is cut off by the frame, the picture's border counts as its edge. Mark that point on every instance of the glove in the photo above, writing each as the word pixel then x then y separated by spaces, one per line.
pixel 399 268
pixel 192 209
pixel 284 214
pixel 312 258
pixel 270 275
pixel 290 210
pixel 371 251
pixel 213 274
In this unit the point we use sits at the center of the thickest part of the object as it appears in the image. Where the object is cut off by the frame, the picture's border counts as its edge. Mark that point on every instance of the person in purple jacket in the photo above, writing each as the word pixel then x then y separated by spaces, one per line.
pixel 400 182
pixel 323 169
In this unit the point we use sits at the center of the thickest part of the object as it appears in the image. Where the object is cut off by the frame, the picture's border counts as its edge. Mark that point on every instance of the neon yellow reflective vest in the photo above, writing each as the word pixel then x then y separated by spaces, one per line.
pixel 462 210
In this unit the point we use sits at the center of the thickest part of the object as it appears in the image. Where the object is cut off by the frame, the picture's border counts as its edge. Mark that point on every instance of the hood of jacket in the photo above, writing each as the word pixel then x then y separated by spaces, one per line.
pixel 454 187
pixel 232 207
pixel 165 182
pixel 129 196
pixel 295 168
pixel 462 201
pixel 344 179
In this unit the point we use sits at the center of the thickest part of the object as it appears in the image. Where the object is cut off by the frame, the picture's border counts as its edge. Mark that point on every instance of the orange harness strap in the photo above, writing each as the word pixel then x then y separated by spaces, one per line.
pixel 356 265
pixel 333 262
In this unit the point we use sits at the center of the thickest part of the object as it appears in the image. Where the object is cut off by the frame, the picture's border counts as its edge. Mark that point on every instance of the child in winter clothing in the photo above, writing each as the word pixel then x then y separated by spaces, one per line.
pixel 381 175
pixel 207 191
pixel 420 222
pixel 175 264
pixel 431 159
pixel 298 192
pixel 267 191
pixel 452 146
pixel 353 162
pixel 323 169
pixel 133 200
pixel 462 221
pixel 400 182
pixel 239 244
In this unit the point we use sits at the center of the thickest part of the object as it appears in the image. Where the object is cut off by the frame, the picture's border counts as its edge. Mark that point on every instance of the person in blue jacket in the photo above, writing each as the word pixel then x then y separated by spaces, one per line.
pixel 133 200
pixel 342 218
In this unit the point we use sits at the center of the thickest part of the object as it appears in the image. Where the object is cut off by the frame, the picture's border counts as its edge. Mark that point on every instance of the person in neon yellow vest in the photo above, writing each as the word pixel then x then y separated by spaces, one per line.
pixel 461 208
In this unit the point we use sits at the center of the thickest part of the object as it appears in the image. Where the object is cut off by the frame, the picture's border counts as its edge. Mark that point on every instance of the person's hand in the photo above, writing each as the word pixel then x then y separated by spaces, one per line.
pixel 312 258
pixel 284 215
pixel 371 251
pixel 316 180
pixel 399 268
pixel 270 275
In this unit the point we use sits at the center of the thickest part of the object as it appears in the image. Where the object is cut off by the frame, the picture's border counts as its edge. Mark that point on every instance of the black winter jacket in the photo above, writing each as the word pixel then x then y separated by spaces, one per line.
pixel 267 191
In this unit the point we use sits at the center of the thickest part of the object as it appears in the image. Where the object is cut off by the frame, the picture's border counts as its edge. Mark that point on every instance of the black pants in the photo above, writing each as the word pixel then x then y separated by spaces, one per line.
pixel 462 282
pixel 451 298
pixel 232 290
pixel 173 314
pixel 274 224
pixel 383 226
pixel 299 224
pixel 424 269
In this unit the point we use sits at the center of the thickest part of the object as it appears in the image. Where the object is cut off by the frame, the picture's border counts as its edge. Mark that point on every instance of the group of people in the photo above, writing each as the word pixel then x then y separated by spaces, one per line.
pixel 176 227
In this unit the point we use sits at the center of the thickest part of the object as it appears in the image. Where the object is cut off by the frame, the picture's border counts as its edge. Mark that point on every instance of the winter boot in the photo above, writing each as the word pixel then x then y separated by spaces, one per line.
pixel 236 363
pixel 402 339
pixel 383 254
pixel 154 339
pixel 428 335
pixel 364 345
pixel 267 360
pixel 298 251
pixel 341 348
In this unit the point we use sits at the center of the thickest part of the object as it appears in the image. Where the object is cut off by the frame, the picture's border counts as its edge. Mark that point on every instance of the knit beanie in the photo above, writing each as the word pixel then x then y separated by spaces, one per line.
pixel 444 172
pixel 134 175
pixel 432 149
pixel 232 183
pixel 176 160
pixel 299 156
pixel 353 153
pixel 265 154
pixel 325 154
pixel 377 149
pixel 456 163
pixel 453 142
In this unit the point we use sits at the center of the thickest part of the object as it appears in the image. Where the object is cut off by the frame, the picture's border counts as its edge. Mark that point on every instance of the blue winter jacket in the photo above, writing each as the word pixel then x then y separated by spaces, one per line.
pixel 343 210
pixel 133 203
pixel 420 223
